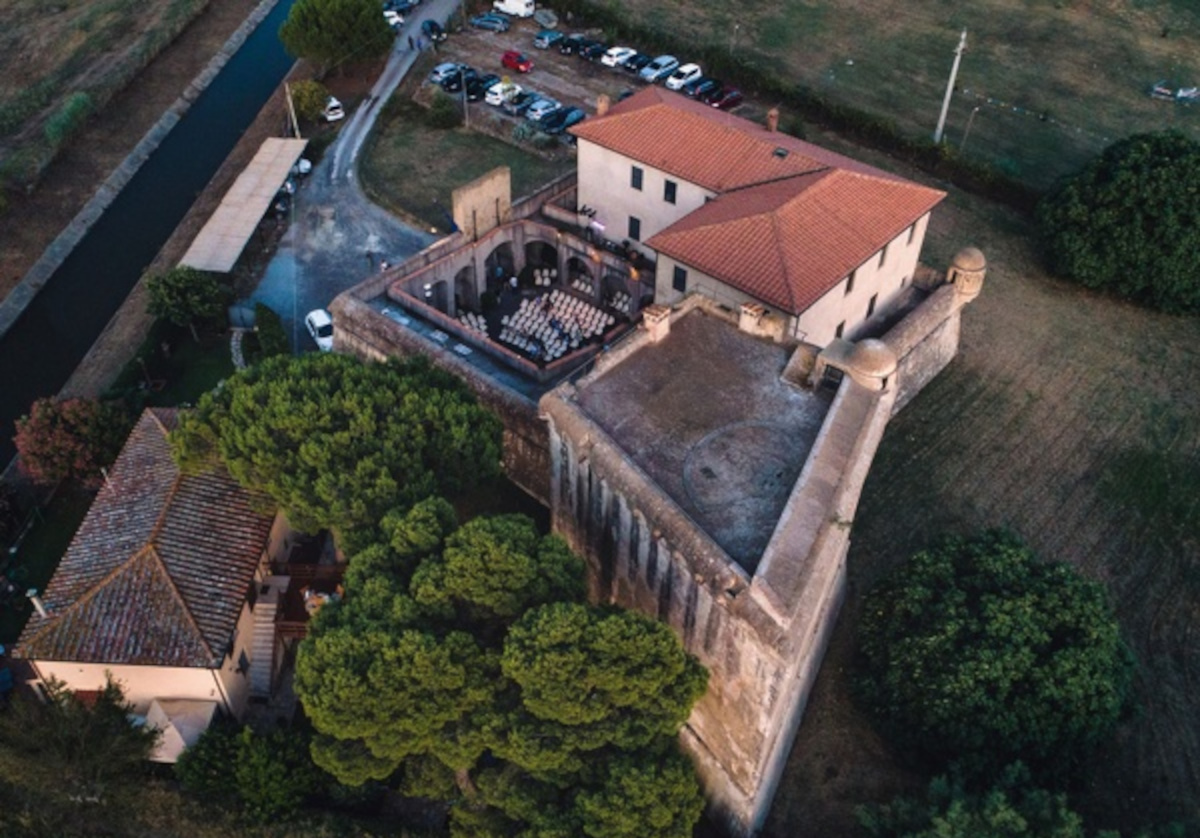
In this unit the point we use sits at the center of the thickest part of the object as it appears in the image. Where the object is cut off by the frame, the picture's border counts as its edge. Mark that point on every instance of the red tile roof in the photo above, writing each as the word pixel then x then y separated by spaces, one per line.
pixel 790 219
pixel 702 145
pixel 158 572
pixel 789 242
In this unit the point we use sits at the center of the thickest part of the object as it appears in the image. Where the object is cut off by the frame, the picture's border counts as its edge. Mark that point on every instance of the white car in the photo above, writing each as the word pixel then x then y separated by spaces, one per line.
pixel 616 56
pixel 659 68
pixel 333 110
pixel 685 74
pixel 540 108
pixel 501 92
pixel 320 326
pixel 393 19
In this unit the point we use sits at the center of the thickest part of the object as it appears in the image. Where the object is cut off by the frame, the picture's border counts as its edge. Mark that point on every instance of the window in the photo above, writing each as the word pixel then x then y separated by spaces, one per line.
pixel 912 232
pixel 850 282
pixel 669 191
pixel 635 178
pixel 635 228
pixel 883 255
pixel 837 333
pixel 679 280
pixel 871 305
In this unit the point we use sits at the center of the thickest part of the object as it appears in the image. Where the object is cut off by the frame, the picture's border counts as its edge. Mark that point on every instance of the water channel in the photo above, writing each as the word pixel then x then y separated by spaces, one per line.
pixel 43 347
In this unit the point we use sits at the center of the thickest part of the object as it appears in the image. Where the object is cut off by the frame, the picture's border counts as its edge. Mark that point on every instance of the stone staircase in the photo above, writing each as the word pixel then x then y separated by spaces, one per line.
pixel 262 646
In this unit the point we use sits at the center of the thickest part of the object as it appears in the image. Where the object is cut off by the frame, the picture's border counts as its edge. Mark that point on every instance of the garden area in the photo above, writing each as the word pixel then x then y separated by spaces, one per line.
pixel 412 165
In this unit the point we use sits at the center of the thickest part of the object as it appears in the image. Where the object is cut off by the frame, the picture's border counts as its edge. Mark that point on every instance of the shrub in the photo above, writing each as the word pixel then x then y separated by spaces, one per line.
pixel 309 98
pixel 977 651
pixel 1130 221
pixel 443 112
pixel 272 338
pixel 69 118
pixel 71 439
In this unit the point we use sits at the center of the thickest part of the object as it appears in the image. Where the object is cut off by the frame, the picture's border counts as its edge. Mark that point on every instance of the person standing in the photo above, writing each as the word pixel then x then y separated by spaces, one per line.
pixel 410 43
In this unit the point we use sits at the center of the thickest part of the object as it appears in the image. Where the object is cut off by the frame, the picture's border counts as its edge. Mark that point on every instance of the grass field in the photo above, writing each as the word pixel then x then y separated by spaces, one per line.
pixel 49 51
pixel 1055 80
pixel 412 168
pixel 1074 420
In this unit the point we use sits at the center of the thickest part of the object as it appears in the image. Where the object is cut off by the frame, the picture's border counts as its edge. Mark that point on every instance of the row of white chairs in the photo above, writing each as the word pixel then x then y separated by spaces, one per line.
pixel 621 302
pixel 474 322
pixel 583 286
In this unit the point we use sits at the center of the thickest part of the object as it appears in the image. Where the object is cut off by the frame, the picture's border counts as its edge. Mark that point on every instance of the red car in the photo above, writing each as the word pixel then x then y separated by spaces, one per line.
pixel 725 98
pixel 514 60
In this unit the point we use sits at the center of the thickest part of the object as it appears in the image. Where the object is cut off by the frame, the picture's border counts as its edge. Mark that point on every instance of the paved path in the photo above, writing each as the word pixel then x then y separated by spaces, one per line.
pixel 337 237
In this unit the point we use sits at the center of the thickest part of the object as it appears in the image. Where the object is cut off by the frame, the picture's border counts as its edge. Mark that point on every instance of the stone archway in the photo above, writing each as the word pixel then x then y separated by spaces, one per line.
pixel 540 254
pixel 466 291
pixel 436 295
pixel 499 265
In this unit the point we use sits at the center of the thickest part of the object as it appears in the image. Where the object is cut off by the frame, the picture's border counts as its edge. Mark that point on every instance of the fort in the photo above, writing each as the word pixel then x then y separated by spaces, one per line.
pixel 699 431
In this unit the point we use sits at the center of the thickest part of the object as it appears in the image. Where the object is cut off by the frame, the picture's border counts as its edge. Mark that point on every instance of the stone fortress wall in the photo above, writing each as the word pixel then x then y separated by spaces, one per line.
pixel 762 634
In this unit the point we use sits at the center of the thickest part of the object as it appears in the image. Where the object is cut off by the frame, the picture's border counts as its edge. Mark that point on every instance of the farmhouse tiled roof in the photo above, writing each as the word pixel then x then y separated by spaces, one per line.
pixel 790 241
pixel 702 145
pixel 159 569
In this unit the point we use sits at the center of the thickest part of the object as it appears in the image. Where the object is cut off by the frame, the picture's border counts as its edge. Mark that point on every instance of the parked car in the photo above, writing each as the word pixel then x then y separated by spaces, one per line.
pixel 696 88
pixel 333 110
pixel 559 121
pixel 659 68
pixel 320 326
pixel 455 81
pixel 727 98
pixel 547 38
pixel 477 88
pixel 592 50
pixel 636 63
pixel 393 19
pixel 441 72
pixel 492 21
pixel 433 30
pixel 683 75
pixel 501 92
pixel 520 103
pixel 571 44
pixel 514 60
pixel 616 56
pixel 539 109
pixel 520 8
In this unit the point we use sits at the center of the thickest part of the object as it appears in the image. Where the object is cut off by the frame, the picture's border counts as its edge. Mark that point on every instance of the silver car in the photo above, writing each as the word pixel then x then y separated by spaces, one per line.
pixel 540 109
pixel 659 68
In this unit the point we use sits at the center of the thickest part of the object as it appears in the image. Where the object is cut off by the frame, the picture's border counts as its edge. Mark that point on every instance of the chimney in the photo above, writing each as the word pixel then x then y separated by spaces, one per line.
pixel 773 119
pixel 38 605
pixel 603 103
pixel 657 321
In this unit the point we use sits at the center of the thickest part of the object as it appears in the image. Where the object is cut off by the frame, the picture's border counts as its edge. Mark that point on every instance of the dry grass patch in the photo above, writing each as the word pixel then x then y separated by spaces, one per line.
pixel 1071 419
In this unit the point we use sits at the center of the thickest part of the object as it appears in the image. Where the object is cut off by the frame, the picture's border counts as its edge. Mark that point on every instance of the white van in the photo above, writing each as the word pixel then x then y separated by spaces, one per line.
pixel 517 8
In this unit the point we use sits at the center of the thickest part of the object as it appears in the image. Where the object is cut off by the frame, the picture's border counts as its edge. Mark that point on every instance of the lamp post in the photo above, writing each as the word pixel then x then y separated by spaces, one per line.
pixel 967 131
pixel 733 41
pixel 462 77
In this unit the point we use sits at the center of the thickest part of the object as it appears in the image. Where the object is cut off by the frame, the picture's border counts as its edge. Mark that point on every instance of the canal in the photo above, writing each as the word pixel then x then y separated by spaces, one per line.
pixel 47 342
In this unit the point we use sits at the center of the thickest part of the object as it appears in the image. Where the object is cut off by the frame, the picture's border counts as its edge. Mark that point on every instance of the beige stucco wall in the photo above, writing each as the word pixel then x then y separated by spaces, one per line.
pixel 818 324
pixel 142 684
pixel 697 283
pixel 604 184
pixel 237 684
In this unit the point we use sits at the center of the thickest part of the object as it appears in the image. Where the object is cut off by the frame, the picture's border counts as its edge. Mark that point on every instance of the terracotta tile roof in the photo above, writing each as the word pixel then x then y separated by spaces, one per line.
pixel 158 572
pixel 702 145
pixel 790 241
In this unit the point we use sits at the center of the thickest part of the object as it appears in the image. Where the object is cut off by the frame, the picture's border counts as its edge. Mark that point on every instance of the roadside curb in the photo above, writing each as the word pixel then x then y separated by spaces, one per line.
pixel 57 252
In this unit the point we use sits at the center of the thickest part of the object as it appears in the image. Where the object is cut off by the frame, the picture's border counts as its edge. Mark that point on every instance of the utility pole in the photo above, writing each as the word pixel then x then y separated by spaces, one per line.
pixel 287 89
pixel 958 51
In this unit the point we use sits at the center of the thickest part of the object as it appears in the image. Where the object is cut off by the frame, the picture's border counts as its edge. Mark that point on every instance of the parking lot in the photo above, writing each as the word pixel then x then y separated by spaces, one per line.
pixel 569 79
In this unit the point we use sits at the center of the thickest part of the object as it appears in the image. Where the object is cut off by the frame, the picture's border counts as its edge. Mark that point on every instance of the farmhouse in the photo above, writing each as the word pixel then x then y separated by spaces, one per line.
pixel 685 397
pixel 158 589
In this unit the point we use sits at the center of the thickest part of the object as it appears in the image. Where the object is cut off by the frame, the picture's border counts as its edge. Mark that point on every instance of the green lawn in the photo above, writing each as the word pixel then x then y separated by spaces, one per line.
pixel 412 168
pixel 38 555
